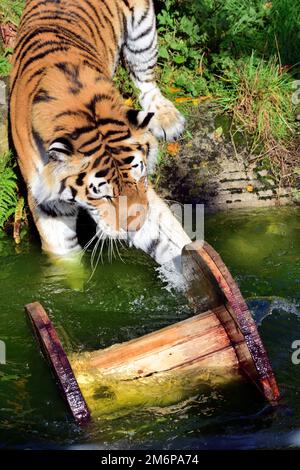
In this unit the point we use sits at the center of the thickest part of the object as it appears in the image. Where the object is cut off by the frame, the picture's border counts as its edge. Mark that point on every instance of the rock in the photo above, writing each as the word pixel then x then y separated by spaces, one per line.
pixel 211 170
pixel 3 118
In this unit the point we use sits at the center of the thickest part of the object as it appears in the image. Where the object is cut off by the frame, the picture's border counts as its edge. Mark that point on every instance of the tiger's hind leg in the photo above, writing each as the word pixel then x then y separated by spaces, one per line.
pixel 140 56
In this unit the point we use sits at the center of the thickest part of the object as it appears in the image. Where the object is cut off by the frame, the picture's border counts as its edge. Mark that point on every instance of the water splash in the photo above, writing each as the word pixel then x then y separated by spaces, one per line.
pixel 171 277
pixel 266 306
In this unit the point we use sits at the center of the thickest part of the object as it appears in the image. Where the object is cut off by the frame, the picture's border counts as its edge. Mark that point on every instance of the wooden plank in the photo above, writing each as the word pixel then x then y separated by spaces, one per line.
pixel 169 336
pixel 164 350
pixel 200 261
pixel 55 354
pixel 159 369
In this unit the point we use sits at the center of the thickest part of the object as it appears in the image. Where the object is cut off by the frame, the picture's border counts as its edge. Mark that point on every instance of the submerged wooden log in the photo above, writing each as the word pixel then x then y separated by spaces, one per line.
pixel 216 346
pixel 158 369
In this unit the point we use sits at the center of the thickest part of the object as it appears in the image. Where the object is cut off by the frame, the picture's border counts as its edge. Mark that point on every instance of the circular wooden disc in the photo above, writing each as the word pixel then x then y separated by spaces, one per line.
pixel 55 354
pixel 202 265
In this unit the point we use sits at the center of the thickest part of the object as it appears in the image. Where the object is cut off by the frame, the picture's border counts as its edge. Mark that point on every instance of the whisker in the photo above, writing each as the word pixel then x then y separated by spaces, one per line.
pixel 102 239
pixel 88 244
pixel 118 251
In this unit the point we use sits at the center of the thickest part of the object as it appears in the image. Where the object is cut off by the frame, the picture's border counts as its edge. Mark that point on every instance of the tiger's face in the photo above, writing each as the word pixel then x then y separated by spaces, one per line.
pixel 95 151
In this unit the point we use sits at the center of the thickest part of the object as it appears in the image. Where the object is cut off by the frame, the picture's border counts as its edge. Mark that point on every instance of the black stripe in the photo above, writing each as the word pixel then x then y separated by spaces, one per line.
pixel 42 96
pixel 81 130
pixel 96 27
pixel 95 12
pixel 50 208
pixel 119 149
pixel 91 106
pixel 40 146
pixel 145 14
pixel 80 178
pixel 91 141
pixel 121 138
pixel 62 185
pixel 128 160
pixel 108 9
pixel 102 173
pixel 139 51
pixel 73 192
pixel 97 162
pixel 34 7
pixel 126 3
pixel 112 29
pixel 74 113
pixel 143 34
pixel 94 150
pixel 105 121
pixel 41 55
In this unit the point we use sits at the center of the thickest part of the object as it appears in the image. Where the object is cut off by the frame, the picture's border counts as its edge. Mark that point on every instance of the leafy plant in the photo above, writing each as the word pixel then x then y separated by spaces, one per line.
pixel 8 189
pixel 5 65
pixel 11 11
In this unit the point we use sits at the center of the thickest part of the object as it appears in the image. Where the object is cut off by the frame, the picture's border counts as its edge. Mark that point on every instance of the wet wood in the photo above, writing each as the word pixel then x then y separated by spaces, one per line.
pixel 54 352
pixel 211 284
pixel 217 345
pixel 191 341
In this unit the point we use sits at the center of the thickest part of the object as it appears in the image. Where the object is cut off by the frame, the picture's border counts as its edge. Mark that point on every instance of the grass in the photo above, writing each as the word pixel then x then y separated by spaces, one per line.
pixel 258 94
pixel 11 11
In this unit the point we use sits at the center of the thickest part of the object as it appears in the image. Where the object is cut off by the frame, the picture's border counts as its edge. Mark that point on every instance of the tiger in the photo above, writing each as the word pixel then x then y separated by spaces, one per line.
pixel 78 144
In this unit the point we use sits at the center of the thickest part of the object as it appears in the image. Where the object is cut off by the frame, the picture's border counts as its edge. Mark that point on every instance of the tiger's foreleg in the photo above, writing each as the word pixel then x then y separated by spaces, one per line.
pixel 140 55
pixel 57 232
pixel 161 236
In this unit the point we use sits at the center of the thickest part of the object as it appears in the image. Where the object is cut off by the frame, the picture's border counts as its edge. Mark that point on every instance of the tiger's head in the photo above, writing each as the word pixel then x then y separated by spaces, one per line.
pixel 96 151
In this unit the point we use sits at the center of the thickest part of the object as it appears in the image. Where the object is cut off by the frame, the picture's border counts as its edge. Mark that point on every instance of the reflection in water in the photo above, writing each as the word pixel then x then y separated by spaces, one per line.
pixel 125 300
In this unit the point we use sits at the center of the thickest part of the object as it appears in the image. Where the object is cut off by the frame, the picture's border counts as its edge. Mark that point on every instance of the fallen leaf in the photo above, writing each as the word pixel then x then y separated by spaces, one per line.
pixel 18 220
pixel 173 148
pixel 173 89
pixel 218 133
pixel 200 99
pixel 204 98
pixel 249 188
pixel 194 101
pixel 128 102
pixel 183 99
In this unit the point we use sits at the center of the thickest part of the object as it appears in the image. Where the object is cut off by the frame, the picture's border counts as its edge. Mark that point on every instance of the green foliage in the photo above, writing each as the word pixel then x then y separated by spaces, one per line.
pixel 8 189
pixel 240 53
pixel 231 26
pixel 11 11
pixel 259 96
pixel 5 65
pixel 124 83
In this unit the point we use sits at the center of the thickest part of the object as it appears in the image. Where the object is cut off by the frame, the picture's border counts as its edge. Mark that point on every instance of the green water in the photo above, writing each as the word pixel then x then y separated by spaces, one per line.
pixel 128 299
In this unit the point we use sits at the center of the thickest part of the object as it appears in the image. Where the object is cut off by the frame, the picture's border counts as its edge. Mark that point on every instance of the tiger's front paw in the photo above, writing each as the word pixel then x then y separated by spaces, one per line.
pixel 167 122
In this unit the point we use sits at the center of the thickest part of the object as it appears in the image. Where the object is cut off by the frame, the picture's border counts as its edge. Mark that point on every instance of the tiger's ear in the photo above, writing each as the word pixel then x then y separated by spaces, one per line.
pixel 59 150
pixel 139 119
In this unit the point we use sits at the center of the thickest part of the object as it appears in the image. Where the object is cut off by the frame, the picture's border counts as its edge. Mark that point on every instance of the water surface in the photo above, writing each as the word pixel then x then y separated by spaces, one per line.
pixel 125 299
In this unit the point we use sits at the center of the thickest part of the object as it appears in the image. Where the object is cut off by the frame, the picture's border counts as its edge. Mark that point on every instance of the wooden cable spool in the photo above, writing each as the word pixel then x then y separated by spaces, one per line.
pixel 218 344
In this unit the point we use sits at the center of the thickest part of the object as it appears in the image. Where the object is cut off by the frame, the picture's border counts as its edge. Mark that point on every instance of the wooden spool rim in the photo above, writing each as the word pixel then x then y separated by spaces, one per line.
pixel 266 381
pixel 53 351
